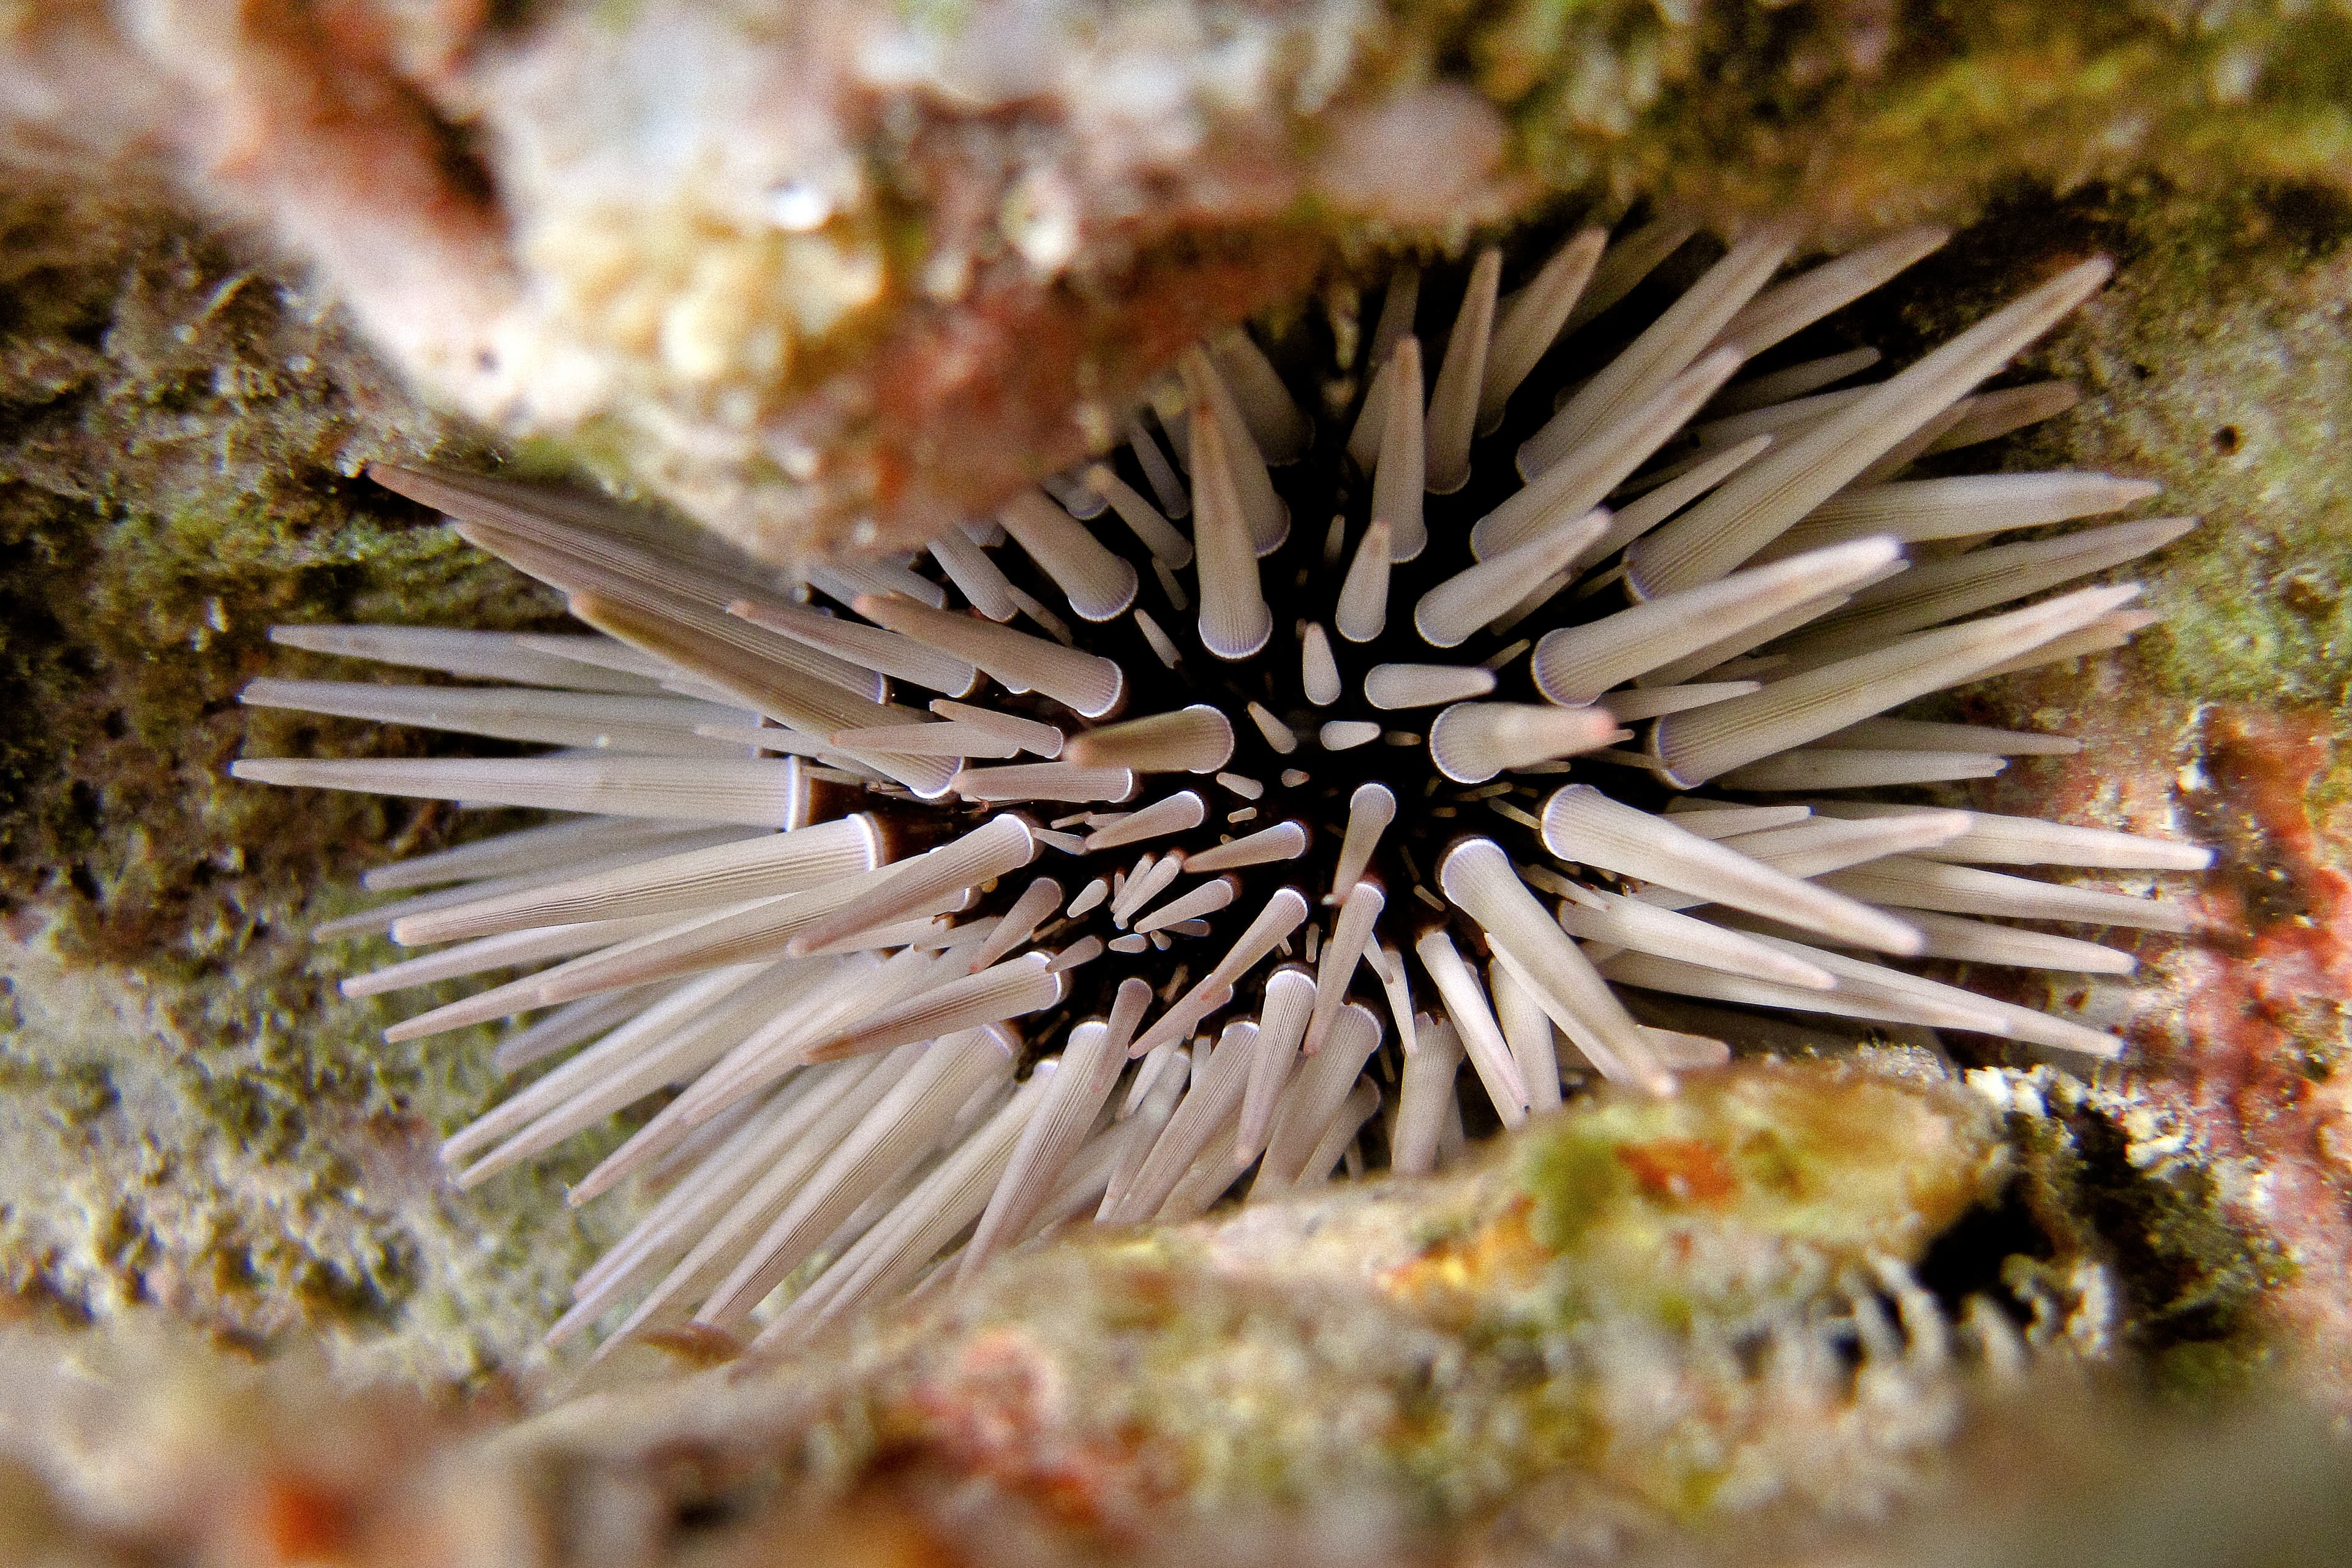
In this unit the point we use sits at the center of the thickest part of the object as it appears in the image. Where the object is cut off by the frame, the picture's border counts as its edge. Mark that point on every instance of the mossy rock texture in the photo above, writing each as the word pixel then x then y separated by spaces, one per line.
pixel 189 1115
pixel 821 273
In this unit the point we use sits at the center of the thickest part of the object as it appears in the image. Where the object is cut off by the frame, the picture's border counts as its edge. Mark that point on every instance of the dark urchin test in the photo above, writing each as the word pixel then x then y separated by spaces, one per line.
pixel 1279 701
pixel 1245 840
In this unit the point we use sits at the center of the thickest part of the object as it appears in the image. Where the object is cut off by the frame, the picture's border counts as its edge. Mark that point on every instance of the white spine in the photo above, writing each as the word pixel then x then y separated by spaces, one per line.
pixel 1045 781
pixel 700 878
pixel 1765 499
pixel 1204 899
pixel 902 1126
pixel 1397 484
pixel 1859 768
pixel 1425 1097
pixel 1007 990
pixel 1472 741
pixel 1455 610
pixel 1629 259
pixel 1017 924
pixel 1098 583
pixel 1454 401
pixel 1158 472
pixel 1531 321
pixel 1960 507
pixel 1698 745
pixel 1091 1061
pixel 1085 683
pixel 1179 813
pixel 1363 609
pixel 884 652
pixel 1283 841
pixel 1394 686
pixel 1807 377
pixel 1527 1029
pixel 1025 734
pixel 1477 877
pixel 924 740
pixel 1583 825
pixel 1234 621
pixel 1473 1020
pixel 2027 841
pixel 1316 1092
pixel 592 721
pixel 1336 967
pixel 1003 843
pixel 1281 431
pixel 1676 339
pixel 1909 882
pixel 976 577
pixel 1789 307
pixel 754 794
pixel 1577 663
pixel 1585 474
pixel 1269 519
pixel 1215 1094
pixel 1163 538
pixel 1318 672
pixel 1290 998
pixel 1370 808
pixel 1621 921
pixel 1397 304
pixel 1939 591
pixel 1194 740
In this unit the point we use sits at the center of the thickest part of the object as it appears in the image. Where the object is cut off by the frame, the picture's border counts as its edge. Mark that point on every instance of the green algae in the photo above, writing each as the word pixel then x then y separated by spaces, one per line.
pixel 191 1114
pixel 1831 1156
pixel 1856 112
pixel 1743 1191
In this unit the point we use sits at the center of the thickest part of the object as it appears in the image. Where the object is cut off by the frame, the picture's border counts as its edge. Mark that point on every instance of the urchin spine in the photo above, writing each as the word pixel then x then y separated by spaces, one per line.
pixel 793 898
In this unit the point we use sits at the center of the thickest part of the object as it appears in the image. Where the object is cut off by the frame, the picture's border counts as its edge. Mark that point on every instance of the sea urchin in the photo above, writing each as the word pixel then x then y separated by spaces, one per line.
pixel 1299 786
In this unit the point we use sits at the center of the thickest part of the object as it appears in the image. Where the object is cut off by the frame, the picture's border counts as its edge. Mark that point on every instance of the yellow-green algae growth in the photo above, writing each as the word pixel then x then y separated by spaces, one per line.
pixel 1853 108
pixel 1750 1188
pixel 1638 1320
pixel 190 1116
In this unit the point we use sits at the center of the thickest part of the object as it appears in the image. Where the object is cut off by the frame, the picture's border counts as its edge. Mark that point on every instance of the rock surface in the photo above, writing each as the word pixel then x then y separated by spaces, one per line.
pixel 827 275
pixel 1735 1324
pixel 2218 364
pixel 188 1115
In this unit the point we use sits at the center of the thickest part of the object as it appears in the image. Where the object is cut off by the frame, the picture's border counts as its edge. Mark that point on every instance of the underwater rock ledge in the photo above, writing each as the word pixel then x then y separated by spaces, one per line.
pixel 1748 1319
pixel 825 275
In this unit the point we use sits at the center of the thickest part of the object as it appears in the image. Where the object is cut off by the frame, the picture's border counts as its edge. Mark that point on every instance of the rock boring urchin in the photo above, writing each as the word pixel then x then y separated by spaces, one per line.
pixel 1242 840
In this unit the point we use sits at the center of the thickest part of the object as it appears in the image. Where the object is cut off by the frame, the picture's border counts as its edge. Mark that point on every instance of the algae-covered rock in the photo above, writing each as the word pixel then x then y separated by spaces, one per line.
pixel 2218 364
pixel 188 1115
pixel 1470 1368
pixel 1829 1171
pixel 824 274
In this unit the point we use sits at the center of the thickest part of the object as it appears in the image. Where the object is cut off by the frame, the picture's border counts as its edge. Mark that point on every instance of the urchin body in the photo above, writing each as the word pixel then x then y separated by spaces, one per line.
pixel 1270 808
